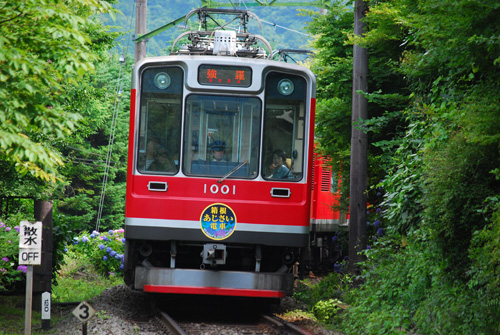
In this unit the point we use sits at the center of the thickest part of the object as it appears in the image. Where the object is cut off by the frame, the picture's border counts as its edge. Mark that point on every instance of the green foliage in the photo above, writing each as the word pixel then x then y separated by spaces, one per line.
pixel 436 270
pixel 333 66
pixel 11 274
pixel 403 182
pixel 37 61
pixel 459 180
pixel 395 282
pixel 78 280
pixel 331 286
pixel 322 297
pixel 105 251
pixel 325 310
pixel 387 94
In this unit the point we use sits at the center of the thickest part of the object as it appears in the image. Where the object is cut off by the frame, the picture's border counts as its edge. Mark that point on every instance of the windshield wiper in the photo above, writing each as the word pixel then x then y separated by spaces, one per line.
pixel 232 171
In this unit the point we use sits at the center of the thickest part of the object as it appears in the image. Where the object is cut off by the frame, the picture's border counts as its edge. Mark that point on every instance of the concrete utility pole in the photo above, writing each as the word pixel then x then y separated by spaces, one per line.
pixel 359 144
pixel 140 28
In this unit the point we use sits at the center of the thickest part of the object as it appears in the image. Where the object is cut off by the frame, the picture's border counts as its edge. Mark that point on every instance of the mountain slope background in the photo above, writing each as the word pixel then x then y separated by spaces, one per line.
pixel 282 26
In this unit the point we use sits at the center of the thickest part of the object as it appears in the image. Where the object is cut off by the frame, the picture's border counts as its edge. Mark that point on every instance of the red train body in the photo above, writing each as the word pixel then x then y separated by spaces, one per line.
pixel 220 170
pixel 202 226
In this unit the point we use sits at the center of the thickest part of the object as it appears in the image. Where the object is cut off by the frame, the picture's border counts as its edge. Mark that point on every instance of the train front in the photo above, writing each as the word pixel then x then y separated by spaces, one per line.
pixel 219 176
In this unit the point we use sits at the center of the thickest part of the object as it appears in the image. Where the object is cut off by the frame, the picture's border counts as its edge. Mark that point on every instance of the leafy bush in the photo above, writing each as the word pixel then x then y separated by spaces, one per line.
pixel 322 297
pixel 11 274
pixel 78 280
pixel 103 250
pixel 325 310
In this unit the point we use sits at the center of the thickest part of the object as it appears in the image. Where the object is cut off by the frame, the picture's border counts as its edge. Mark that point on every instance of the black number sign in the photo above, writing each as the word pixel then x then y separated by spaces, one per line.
pixel 84 311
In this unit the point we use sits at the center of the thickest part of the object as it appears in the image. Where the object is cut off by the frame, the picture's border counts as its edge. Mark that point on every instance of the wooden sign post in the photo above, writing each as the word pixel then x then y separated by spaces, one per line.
pixel 30 253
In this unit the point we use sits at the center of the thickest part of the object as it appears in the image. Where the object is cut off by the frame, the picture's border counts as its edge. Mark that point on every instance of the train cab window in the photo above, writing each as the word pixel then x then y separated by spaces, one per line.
pixel 222 136
pixel 284 122
pixel 160 120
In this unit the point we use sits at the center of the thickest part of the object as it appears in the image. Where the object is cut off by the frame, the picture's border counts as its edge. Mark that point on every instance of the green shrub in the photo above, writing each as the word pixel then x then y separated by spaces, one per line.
pixel 103 250
pixel 311 292
pixel 11 274
pixel 325 310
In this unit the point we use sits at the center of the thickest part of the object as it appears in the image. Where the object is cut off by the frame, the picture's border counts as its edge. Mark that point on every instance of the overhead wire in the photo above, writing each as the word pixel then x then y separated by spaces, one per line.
pixel 271 23
pixel 114 120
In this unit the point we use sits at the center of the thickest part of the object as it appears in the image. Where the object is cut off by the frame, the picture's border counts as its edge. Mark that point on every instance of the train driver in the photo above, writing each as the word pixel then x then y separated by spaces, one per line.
pixel 218 150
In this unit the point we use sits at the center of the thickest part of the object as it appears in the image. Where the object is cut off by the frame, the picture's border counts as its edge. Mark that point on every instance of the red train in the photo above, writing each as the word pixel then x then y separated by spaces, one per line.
pixel 327 221
pixel 220 169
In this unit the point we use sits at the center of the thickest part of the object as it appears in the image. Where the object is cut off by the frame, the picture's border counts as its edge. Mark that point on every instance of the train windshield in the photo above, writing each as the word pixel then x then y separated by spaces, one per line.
pixel 222 136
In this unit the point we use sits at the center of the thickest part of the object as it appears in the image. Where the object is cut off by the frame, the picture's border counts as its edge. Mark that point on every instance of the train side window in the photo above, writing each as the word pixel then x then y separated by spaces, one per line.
pixel 160 120
pixel 284 122
pixel 221 136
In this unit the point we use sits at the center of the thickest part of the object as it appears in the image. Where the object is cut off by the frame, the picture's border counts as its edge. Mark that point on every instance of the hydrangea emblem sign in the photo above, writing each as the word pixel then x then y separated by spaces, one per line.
pixel 218 221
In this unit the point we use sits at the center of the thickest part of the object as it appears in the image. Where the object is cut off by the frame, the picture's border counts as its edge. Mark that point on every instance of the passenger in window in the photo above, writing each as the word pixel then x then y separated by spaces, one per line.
pixel 280 170
pixel 161 161
pixel 218 151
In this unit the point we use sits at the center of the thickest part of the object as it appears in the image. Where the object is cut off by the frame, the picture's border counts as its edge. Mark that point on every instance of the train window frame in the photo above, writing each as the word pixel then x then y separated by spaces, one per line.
pixel 240 138
pixel 165 143
pixel 293 106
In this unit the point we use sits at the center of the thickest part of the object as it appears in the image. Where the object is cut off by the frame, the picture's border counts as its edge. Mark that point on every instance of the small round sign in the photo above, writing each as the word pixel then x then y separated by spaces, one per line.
pixel 218 221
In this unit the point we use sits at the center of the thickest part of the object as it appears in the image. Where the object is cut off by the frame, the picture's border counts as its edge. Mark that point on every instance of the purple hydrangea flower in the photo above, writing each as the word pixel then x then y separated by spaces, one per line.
pixel 102 246
pixel 22 268
pixel 108 249
pixel 123 240
pixel 85 239
pixel 92 235
pixel 5 259
pixel 110 232
pixel 2 224
pixel 8 229
pixel 17 228
pixel 112 253
pixel 105 258
pixel 380 232
pixel 335 239
pixel 368 247
pixel 376 224
pixel 65 249
pixel 105 238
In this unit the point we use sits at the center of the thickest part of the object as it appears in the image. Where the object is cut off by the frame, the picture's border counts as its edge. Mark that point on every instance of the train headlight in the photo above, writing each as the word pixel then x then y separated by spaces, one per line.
pixel 162 80
pixel 285 87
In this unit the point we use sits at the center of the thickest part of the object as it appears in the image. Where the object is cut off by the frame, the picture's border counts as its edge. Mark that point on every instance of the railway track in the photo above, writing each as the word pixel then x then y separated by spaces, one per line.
pixel 267 324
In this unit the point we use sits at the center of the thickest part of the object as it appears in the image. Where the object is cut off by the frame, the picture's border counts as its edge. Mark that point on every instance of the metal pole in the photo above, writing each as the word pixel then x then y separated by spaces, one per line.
pixel 359 144
pixel 29 296
pixel 140 28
